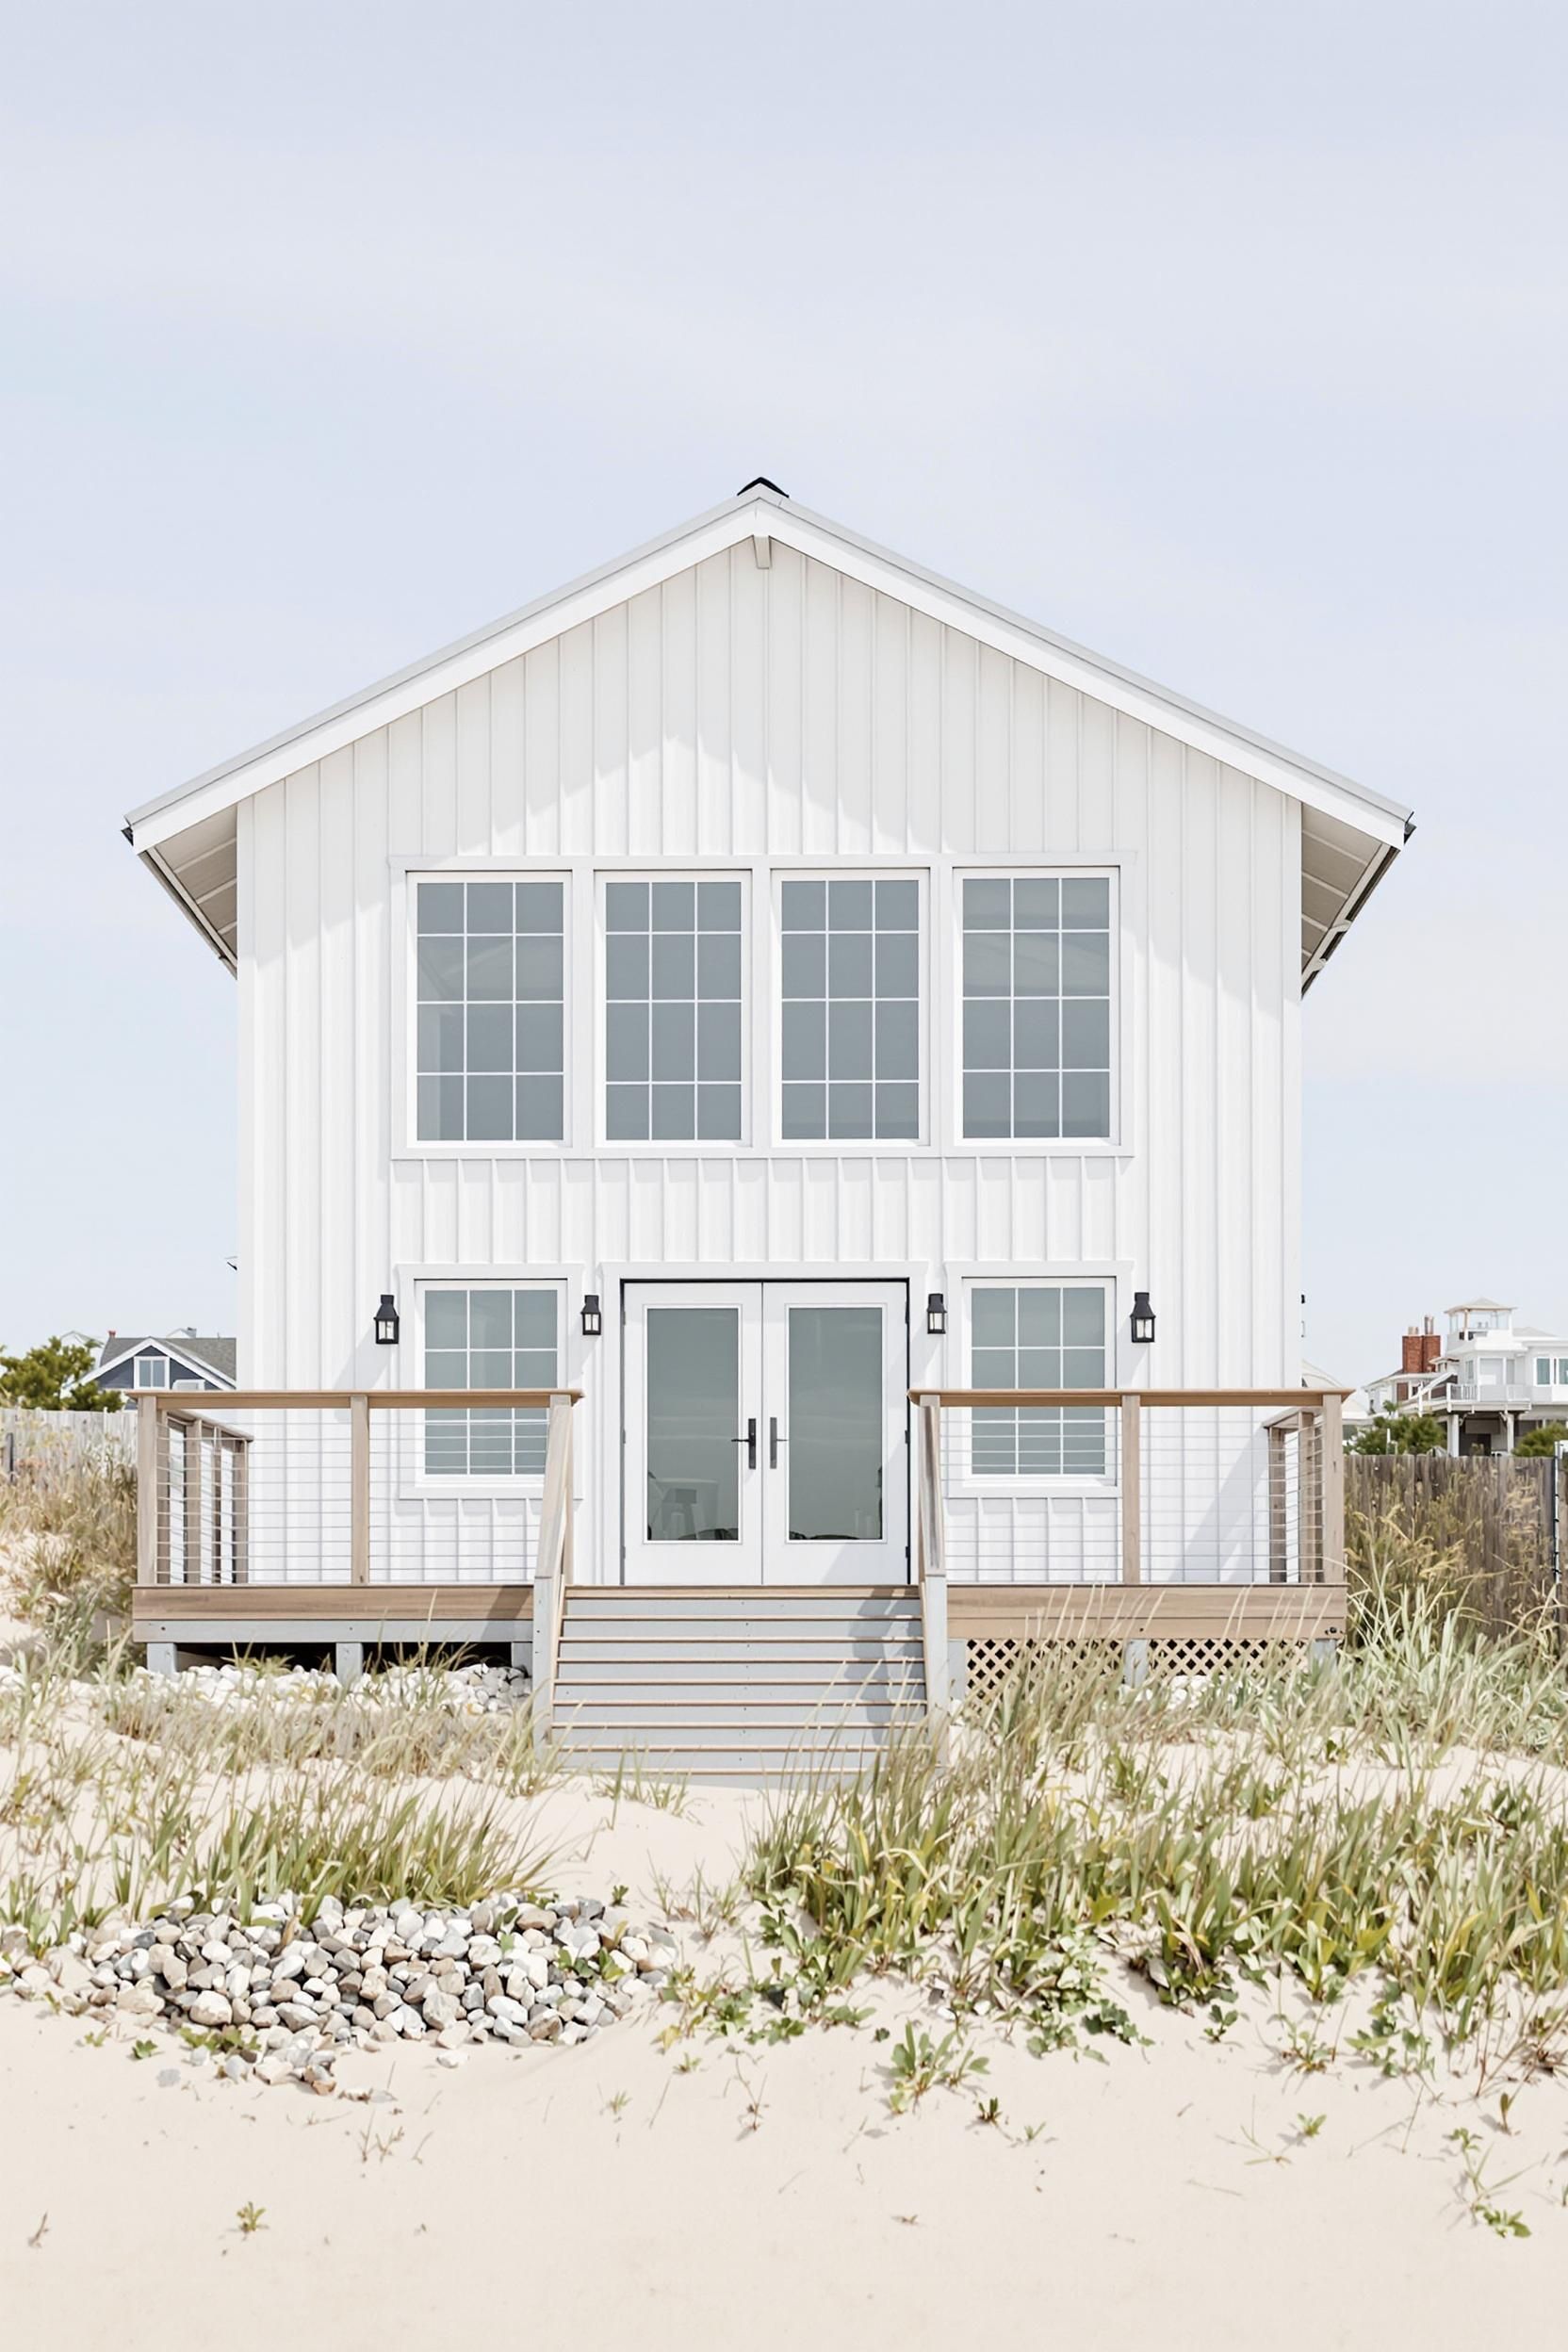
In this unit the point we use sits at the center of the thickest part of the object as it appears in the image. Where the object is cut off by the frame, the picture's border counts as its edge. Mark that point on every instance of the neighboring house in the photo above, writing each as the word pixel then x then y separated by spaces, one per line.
pixel 173 1360
pixel 753 980
pixel 1488 1379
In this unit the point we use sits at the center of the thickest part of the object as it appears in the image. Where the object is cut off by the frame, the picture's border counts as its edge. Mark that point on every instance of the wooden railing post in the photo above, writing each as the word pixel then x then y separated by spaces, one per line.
pixel 1131 1490
pixel 1332 1557
pixel 147 1491
pixel 931 1557
pixel 191 1454
pixel 359 1490
pixel 553 1558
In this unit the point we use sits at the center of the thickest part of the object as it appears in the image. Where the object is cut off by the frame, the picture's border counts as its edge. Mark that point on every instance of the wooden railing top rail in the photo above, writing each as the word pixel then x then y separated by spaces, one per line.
pixel 204 1404
pixel 1303 1399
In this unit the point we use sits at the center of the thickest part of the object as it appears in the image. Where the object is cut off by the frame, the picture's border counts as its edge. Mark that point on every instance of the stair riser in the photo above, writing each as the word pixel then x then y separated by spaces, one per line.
pixel 661 1656
pixel 602 1607
pixel 616 1661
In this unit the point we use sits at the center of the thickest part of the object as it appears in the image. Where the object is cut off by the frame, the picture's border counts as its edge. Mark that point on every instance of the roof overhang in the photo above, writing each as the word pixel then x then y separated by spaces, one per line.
pixel 1349 835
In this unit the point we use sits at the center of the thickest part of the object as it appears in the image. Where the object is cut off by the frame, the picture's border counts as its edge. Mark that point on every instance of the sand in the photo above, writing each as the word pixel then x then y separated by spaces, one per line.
pixel 763 2196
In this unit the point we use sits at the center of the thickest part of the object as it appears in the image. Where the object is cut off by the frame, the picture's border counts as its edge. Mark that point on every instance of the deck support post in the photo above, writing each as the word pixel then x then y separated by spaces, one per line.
pixel 147 1491
pixel 162 1657
pixel 359 1490
pixel 1131 1490
pixel 552 1565
pixel 349 1662
pixel 931 1562
pixel 1135 1662
pixel 1332 1557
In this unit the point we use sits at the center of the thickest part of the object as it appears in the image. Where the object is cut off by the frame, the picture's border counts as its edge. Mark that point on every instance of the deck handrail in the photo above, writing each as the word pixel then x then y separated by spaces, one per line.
pixel 205 1402
pixel 1315 1415
pixel 1167 1398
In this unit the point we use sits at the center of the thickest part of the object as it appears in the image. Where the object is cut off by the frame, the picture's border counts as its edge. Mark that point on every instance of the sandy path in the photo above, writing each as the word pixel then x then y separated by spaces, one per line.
pixel 767 2196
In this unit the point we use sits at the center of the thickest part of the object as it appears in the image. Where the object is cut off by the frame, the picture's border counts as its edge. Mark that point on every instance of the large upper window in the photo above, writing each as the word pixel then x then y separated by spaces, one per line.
pixel 1036 1025
pixel 491 994
pixel 850 983
pixel 672 987
pixel 489 1338
pixel 1037 1335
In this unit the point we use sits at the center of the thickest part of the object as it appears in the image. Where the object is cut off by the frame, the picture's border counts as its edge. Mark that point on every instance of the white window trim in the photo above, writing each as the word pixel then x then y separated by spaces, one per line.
pixel 847 870
pixel 941 1015
pixel 414 1483
pixel 406 1007
pixel 162 1364
pixel 1071 869
pixel 1040 1484
pixel 752 994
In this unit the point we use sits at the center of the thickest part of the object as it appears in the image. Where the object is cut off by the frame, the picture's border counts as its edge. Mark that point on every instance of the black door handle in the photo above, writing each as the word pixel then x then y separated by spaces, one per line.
pixel 775 1441
pixel 749 1442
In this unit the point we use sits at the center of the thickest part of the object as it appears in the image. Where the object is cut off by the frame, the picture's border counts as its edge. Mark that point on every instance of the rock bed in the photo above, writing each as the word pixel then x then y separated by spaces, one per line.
pixel 476 1690
pixel 291 1998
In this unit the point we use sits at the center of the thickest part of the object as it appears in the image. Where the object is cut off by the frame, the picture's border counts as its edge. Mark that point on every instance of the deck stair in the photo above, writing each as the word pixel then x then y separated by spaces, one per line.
pixel 738 1684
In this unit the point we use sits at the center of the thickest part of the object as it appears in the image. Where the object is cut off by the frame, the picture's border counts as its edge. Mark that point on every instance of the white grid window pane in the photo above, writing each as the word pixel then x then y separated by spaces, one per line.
pixel 489 1338
pixel 1037 1335
pixel 850 977
pixel 490 1017
pixel 1036 1012
pixel 673 1002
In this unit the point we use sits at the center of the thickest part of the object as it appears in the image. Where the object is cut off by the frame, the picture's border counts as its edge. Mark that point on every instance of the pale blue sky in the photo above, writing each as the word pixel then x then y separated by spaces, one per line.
pixel 1230 340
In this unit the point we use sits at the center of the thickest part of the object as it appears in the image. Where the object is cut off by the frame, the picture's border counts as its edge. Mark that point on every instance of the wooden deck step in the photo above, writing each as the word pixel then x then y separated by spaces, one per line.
pixel 754 1684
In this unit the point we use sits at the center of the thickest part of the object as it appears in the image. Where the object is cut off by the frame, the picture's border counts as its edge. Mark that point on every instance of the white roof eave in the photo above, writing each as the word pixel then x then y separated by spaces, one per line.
pixel 761 512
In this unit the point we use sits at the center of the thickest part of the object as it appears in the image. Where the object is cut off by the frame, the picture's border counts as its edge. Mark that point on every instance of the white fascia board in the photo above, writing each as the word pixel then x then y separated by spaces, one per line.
pixel 1074 665
pixel 471 656
pixel 766 512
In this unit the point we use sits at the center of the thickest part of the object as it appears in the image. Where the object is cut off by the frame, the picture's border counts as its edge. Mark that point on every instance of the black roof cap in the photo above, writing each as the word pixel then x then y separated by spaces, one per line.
pixel 760 481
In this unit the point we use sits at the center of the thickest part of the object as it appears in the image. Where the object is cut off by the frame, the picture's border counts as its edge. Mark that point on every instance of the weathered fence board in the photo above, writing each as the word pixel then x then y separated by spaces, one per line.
pixel 1488 1528
pixel 42 1445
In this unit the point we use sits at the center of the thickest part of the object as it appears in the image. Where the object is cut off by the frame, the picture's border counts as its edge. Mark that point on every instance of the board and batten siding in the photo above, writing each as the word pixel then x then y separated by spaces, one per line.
pixel 754 713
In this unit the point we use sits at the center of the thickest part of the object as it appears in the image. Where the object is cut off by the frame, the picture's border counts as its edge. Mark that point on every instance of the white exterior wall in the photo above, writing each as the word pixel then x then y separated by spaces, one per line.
pixel 746 715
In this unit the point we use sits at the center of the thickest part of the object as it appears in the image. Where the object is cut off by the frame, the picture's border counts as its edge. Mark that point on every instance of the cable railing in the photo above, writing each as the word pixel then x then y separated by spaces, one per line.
pixel 1212 1488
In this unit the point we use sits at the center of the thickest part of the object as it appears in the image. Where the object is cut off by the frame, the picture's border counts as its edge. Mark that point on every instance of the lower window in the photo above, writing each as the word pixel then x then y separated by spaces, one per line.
pixel 1037 1335
pixel 489 1336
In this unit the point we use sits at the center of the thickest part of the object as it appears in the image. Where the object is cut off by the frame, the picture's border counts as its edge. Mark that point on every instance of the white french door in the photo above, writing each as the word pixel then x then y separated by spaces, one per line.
pixel 766 1433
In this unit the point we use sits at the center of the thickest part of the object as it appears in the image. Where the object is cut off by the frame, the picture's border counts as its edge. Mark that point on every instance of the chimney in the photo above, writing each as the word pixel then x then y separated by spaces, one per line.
pixel 1412 1350
pixel 1432 1346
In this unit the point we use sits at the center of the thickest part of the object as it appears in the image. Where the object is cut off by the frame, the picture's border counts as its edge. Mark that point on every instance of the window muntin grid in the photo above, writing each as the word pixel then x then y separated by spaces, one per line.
pixel 1036 1007
pixel 674 997
pixel 850 1013
pixel 490 1015
pixel 1037 1335
pixel 492 1337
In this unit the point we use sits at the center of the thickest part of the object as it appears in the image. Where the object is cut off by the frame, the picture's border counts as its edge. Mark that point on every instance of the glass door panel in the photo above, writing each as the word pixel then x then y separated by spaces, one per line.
pixel 694 1402
pixel 693 1468
pixel 836 1425
pixel 835 1376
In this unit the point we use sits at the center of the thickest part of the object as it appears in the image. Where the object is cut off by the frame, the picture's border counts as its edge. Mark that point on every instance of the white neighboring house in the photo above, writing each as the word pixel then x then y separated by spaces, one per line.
pixel 750 981
pixel 186 1361
pixel 1488 1379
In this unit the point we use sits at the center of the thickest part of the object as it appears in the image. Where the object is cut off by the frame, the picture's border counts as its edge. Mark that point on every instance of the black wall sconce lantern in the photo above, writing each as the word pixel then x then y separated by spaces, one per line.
pixel 1142 1320
pixel 593 1321
pixel 386 1322
pixel 936 1313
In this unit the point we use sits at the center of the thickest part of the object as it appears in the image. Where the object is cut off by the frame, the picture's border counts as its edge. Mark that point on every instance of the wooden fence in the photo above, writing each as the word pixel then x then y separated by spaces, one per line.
pixel 1482 1533
pixel 46 1446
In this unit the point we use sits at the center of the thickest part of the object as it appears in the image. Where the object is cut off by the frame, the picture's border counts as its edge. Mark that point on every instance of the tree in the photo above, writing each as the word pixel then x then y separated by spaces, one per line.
pixel 57 1376
pixel 1545 1440
pixel 1394 1432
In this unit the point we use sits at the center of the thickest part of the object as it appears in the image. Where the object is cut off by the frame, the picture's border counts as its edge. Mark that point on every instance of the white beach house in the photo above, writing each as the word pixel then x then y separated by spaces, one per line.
pixel 748 990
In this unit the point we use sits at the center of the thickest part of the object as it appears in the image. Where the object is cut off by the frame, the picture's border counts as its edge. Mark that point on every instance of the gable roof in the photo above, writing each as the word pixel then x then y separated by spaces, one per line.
pixel 1350 835
pixel 212 1358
